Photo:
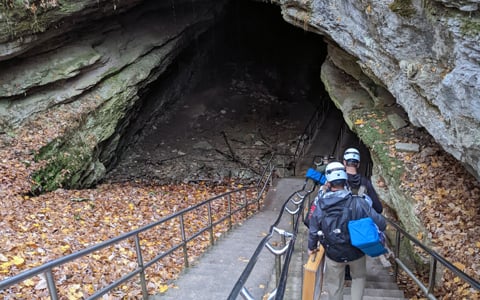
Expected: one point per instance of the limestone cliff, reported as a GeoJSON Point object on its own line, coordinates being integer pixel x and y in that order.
{"type": "Point", "coordinates": [90, 59]}
{"type": "Point", "coordinates": [424, 53]}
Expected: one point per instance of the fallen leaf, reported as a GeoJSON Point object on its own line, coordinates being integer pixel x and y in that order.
{"type": "Point", "coordinates": [18, 261]}
{"type": "Point", "coordinates": [359, 122]}
{"type": "Point", "coordinates": [163, 288]}
{"type": "Point", "coordinates": [42, 284]}
{"type": "Point", "coordinates": [459, 265]}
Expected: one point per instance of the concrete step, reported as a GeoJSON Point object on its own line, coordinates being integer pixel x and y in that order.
{"type": "Point", "coordinates": [379, 269]}
{"type": "Point", "coordinates": [215, 273]}
{"type": "Point", "coordinates": [372, 294]}
{"type": "Point", "coordinates": [380, 281]}
{"type": "Point", "coordinates": [388, 285]}
{"type": "Point", "coordinates": [396, 293]}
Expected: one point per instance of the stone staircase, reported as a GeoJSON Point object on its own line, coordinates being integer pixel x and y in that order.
{"type": "Point", "coordinates": [214, 274]}
{"type": "Point", "coordinates": [380, 282]}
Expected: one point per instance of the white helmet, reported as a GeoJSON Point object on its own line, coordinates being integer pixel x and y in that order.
{"type": "Point", "coordinates": [335, 171]}
{"type": "Point", "coordinates": [351, 154]}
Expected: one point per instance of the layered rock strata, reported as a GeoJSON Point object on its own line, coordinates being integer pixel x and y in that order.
{"type": "Point", "coordinates": [425, 53]}
{"type": "Point", "coordinates": [93, 59]}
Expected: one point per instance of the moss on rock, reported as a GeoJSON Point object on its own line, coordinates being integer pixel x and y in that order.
{"type": "Point", "coordinates": [403, 8]}
{"type": "Point", "coordinates": [59, 165]}
{"type": "Point", "coordinates": [374, 129]}
{"type": "Point", "coordinates": [22, 18]}
{"type": "Point", "coordinates": [470, 27]}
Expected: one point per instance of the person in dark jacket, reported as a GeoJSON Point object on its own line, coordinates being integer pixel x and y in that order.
{"type": "Point", "coordinates": [340, 255]}
{"type": "Point", "coordinates": [351, 161]}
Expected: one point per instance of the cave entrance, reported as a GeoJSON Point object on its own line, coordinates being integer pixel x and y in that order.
{"type": "Point", "coordinates": [242, 91]}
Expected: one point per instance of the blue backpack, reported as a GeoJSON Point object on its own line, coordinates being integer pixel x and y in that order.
{"type": "Point", "coordinates": [364, 235]}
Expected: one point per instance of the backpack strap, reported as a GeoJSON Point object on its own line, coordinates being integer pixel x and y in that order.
{"type": "Point", "coordinates": [353, 206]}
{"type": "Point", "coordinates": [346, 203]}
{"type": "Point", "coordinates": [361, 190]}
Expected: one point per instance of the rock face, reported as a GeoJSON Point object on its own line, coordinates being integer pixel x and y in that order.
{"type": "Point", "coordinates": [96, 58]}
{"type": "Point", "coordinates": [425, 53]}
{"type": "Point", "coordinates": [89, 58]}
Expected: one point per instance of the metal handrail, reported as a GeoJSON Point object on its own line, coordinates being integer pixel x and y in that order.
{"type": "Point", "coordinates": [434, 258]}
{"type": "Point", "coordinates": [310, 131]}
{"type": "Point", "coordinates": [308, 134]}
{"type": "Point", "coordinates": [280, 291]}
{"type": "Point", "coordinates": [287, 249]}
{"type": "Point", "coordinates": [47, 268]}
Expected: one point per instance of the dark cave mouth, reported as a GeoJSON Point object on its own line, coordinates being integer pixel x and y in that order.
{"type": "Point", "coordinates": [255, 89]}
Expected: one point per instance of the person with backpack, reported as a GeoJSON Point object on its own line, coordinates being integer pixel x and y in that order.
{"type": "Point", "coordinates": [359, 184]}
{"type": "Point", "coordinates": [329, 226]}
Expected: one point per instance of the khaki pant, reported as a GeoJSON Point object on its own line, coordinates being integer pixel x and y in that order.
{"type": "Point", "coordinates": [335, 278]}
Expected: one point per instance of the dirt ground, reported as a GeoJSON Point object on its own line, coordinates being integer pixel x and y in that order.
{"type": "Point", "coordinates": [225, 128]}
{"type": "Point", "coordinates": [258, 93]}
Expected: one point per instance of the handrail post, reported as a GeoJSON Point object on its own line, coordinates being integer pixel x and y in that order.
{"type": "Point", "coordinates": [272, 168]}
{"type": "Point", "coordinates": [396, 251]}
{"type": "Point", "coordinates": [293, 222]}
{"type": "Point", "coordinates": [51, 285]}
{"type": "Point", "coordinates": [259, 196]}
{"type": "Point", "coordinates": [246, 204]}
{"type": "Point", "coordinates": [278, 269]}
{"type": "Point", "coordinates": [210, 223]}
{"type": "Point", "coordinates": [143, 283]}
{"type": "Point", "coordinates": [432, 275]}
{"type": "Point", "coordinates": [229, 197]}
{"type": "Point", "coordinates": [278, 260]}
{"type": "Point", "coordinates": [184, 241]}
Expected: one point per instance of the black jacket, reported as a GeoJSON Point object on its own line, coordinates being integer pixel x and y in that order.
{"type": "Point", "coordinates": [360, 209]}
{"type": "Point", "coordinates": [356, 180]}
